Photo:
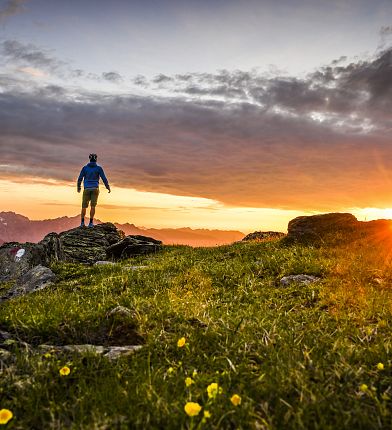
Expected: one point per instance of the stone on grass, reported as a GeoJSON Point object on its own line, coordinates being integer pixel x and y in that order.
{"type": "Point", "coordinates": [104, 263]}
{"type": "Point", "coordinates": [121, 351]}
{"type": "Point", "coordinates": [110, 352]}
{"type": "Point", "coordinates": [82, 349]}
{"type": "Point", "coordinates": [119, 310]}
{"type": "Point", "coordinates": [298, 279]}
{"type": "Point", "coordinates": [37, 278]}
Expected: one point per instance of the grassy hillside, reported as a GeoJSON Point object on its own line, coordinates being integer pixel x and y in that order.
{"type": "Point", "coordinates": [299, 357]}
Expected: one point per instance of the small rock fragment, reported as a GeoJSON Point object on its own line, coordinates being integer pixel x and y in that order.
{"type": "Point", "coordinates": [298, 279]}
{"type": "Point", "coordinates": [121, 351]}
{"type": "Point", "coordinates": [119, 310]}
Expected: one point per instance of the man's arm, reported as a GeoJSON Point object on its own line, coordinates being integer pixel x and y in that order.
{"type": "Point", "coordinates": [103, 177]}
{"type": "Point", "coordinates": [80, 178]}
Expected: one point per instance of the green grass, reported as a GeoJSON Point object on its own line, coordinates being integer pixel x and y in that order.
{"type": "Point", "coordinates": [296, 355]}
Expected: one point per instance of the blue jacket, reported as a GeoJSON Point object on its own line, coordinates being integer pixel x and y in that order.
{"type": "Point", "coordinates": [91, 173]}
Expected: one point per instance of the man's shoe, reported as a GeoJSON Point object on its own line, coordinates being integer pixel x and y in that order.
{"type": "Point", "coordinates": [91, 225]}
{"type": "Point", "coordinates": [82, 224]}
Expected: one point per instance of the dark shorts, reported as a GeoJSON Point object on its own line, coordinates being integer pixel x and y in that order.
{"type": "Point", "coordinates": [90, 195]}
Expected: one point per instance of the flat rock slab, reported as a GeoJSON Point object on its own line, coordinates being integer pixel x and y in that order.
{"type": "Point", "coordinates": [110, 352]}
{"type": "Point", "coordinates": [37, 278]}
{"type": "Point", "coordinates": [298, 279]}
{"type": "Point", "coordinates": [134, 267]}
{"type": "Point", "coordinates": [116, 352]}
{"type": "Point", "coordinates": [104, 263]}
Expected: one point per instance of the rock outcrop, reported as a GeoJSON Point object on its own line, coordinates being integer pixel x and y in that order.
{"type": "Point", "coordinates": [25, 265]}
{"type": "Point", "coordinates": [262, 236]}
{"type": "Point", "coordinates": [37, 278]}
{"type": "Point", "coordinates": [335, 228]}
{"type": "Point", "coordinates": [88, 245]}
{"type": "Point", "coordinates": [133, 245]}
{"type": "Point", "coordinates": [317, 228]}
{"type": "Point", "coordinates": [16, 259]}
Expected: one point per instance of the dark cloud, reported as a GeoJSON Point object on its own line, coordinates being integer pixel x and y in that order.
{"type": "Point", "coordinates": [321, 142]}
{"type": "Point", "coordinates": [141, 81]}
{"type": "Point", "coordinates": [112, 77]}
{"type": "Point", "coordinates": [10, 8]}
{"type": "Point", "coordinates": [339, 60]}
{"type": "Point", "coordinates": [161, 78]}
{"type": "Point", "coordinates": [29, 54]}
{"type": "Point", "coordinates": [22, 54]}
{"type": "Point", "coordinates": [386, 30]}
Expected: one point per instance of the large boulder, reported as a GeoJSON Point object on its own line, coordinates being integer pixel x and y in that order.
{"type": "Point", "coordinates": [133, 245]}
{"type": "Point", "coordinates": [37, 278]}
{"type": "Point", "coordinates": [318, 228]}
{"type": "Point", "coordinates": [16, 259]}
{"type": "Point", "coordinates": [88, 245]}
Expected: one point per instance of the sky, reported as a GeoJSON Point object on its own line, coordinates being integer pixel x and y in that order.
{"type": "Point", "coordinates": [215, 114]}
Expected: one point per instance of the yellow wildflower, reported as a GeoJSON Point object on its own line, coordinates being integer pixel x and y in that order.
{"type": "Point", "coordinates": [47, 355]}
{"type": "Point", "coordinates": [194, 374]}
{"type": "Point", "coordinates": [170, 370]}
{"type": "Point", "coordinates": [213, 390]}
{"type": "Point", "coordinates": [192, 409]}
{"type": "Point", "coordinates": [207, 414]}
{"type": "Point", "coordinates": [235, 399]}
{"type": "Point", "coordinates": [189, 381]}
{"type": "Point", "coordinates": [364, 388]}
{"type": "Point", "coordinates": [5, 416]}
{"type": "Point", "coordinates": [181, 342]}
{"type": "Point", "coordinates": [64, 371]}
{"type": "Point", "coordinates": [380, 366]}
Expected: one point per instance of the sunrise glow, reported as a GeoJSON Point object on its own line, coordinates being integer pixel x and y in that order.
{"type": "Point", "coordinates": [242, 128]}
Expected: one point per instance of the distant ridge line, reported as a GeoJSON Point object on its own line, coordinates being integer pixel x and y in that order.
{"type": "Point", "coordinates": [19, 228]}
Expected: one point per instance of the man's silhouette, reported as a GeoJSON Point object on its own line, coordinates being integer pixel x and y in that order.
{"type": "Point", "coordinates": [91, 173]}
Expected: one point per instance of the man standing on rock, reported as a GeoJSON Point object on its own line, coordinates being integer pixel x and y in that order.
{"type": "Point", "coordinates": [91, 173]}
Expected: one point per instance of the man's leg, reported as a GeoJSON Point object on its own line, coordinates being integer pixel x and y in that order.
{"type": "Point", "coordinates": [85, 202]}
{"type": "Point", "coordinates": [94, 200]}
{"type": "Point", "coordinates": [92, 213]}
{"type": "Point", "coordinates": [82, 215]}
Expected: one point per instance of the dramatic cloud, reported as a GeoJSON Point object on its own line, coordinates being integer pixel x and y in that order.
{"type": "Point", "coordinates": [11, 7]}
{"type": "Point", "coordinates": [112, 77]}
{"type": "Point", "coordinates": [386, 30]}
{"type": "Point", "coordinates": [36, 61]}
{"type": "Point", "coordinates": [29, 54]}
{"type": "Point", "coordinates": [322, 142]}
